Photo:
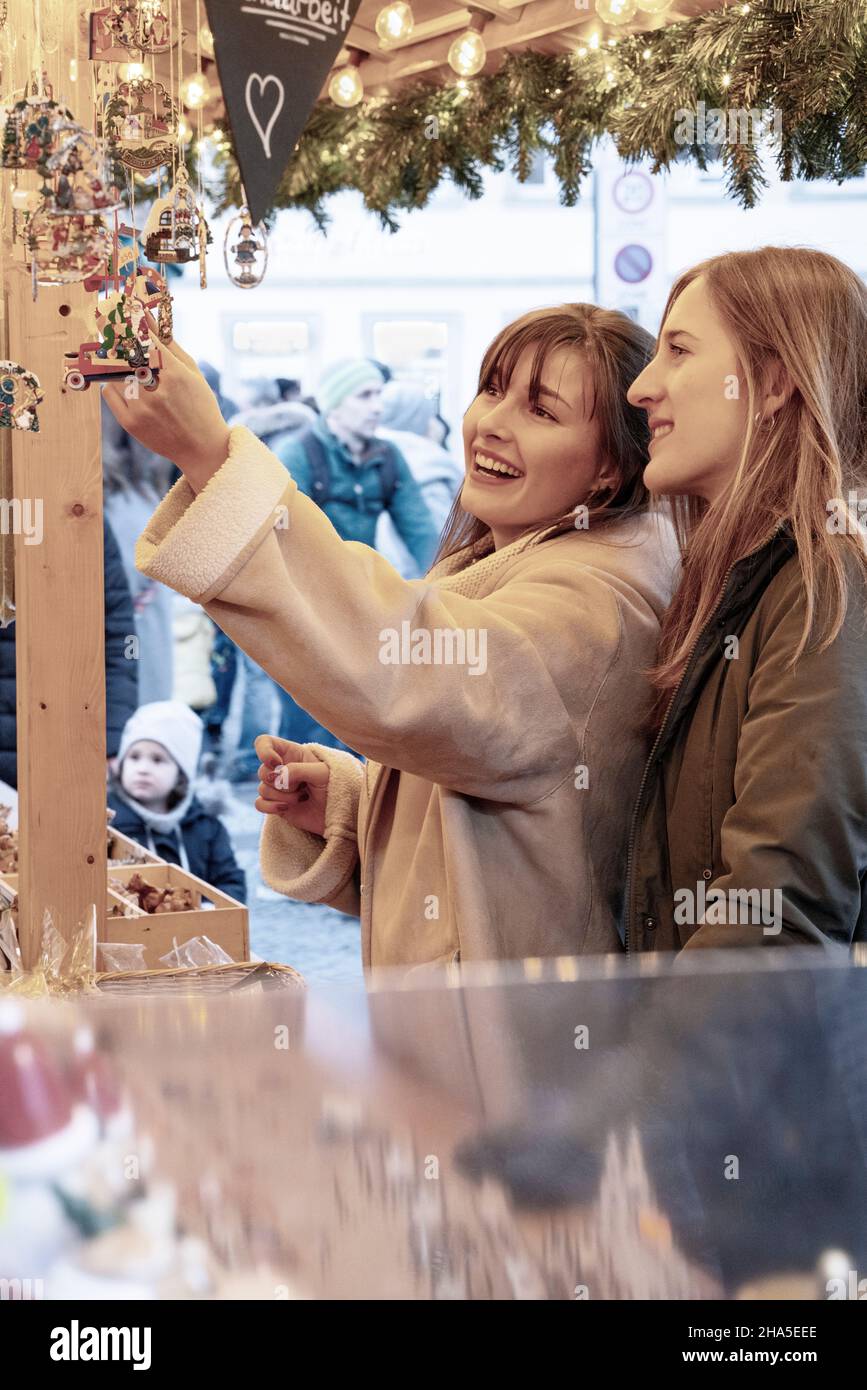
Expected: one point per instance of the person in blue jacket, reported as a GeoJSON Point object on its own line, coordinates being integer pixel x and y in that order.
{"type": "Point", "coordinates": [154, 801]}
{"type": "Point", "coordinates": [121, 671]}
{"type": "Point", "coordinates": [354, 476]}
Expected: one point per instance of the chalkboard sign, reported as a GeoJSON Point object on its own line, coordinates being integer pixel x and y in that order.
{"type": "Point", "coordinates": [273, 57]}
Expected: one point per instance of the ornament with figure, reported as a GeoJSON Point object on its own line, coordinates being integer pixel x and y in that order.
{"type": "Point", "coordinates": [122, 345]}
{"type": "Point", "coordinates": [139, 120]}
{"type": "Point", "coordinates": [126, 27]}
{"type": "Point", "coordinates": [245, 251]}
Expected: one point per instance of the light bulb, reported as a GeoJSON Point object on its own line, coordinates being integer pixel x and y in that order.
{"type": "Point", "coordinates": [346, 87]}
{"type": "Point", "coordinates": [206, 41]}
{"type": "Point", "coordinates": [616, 11]}
{"type": "Point", "coordinates": [654, 6]}
{"type": "Point", "coordinates": [467, 54]}
{"type": "Point", "coordinates": [195, 91]}
{"type": "Point", "coordinates": [394, 23]}
{"type": "Point", "coordinates": [130, 72]}
{"type": "Point", "coordinates": [73, 69]}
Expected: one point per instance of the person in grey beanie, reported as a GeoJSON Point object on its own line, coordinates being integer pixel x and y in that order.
{"type": "Point", "coordinates": [356, 477]}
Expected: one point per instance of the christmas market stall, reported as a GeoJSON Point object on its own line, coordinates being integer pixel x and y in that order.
{"type": "Point", "coordinates": [188, 1121]}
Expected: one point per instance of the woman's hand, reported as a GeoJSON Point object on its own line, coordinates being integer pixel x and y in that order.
{"type": "Point", "coordinates": [293, 783]}
{"type": "Point", "coordinates": [180, 419]}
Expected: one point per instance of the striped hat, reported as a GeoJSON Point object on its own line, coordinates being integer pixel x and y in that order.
{"type": "Point", "coordinates": [343, 379]}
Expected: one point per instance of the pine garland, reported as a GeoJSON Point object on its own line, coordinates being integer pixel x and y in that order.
{"type": "Point", "coordinates": [802, 61]}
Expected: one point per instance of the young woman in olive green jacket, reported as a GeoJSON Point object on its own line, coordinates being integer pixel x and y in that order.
{"type": "Point", "coordinates": [750, 825]}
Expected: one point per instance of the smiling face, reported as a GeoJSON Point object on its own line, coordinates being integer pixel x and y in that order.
{"type": "Point", "coordinates": [695, 396]}
{"type": "Point", "coordinates": [531, 458]}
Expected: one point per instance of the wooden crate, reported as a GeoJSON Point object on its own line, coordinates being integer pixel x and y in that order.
{"type": "Point", "coordinates": [120, 846]}
{"type": "Point", "coordinates": [227, 924]}
{"type": "Point", "coordinates": [9, 896]}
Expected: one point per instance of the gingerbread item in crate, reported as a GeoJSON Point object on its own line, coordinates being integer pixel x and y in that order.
{"type": "Point", "coordinates": [8, 843]}
{"type": "Point", "coordinates": [149, 898]}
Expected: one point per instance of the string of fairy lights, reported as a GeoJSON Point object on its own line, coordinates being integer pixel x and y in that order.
{"type": "Point", "coordinates": [467, 52]}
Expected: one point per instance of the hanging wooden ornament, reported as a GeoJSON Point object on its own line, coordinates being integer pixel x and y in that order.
{"type": "Point", "coordinates": [122, 344]}
{"type": "Point", "coordinates": [172, 232]}
{"type": "Point", "coordinates": [66, 247]}
{"type": "Point", "coordinates": [139, 121]}
{"type": "Point", "coordinates": [245, 251]}
{"type": "Point", "coordinates": [31, 134]}
{"type": "Point", "coordinates": [126, 27]}
{"type": "Point", "coordinates": [20, 394]}
{"type": "Point", "coordinates": [77, 172]}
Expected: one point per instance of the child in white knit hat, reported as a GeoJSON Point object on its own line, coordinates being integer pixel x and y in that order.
{"type": "Point", "coordinates": [154, 800]}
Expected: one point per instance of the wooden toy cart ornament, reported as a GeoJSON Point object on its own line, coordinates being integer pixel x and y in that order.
{"type": "Point", "coordinates": [124, 346]}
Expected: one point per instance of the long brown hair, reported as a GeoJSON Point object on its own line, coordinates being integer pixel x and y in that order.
{"type": "Point", "coordinates": [615, 350]}
{"type": "Point", "coordinates": [806, 311]}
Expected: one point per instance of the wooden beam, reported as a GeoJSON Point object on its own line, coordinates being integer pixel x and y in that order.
{"type": "Point", "coordinates": [536, 20]}
{"type": "Point", "coordinates": [499, 11]}
{"type": "Point", "coordinates": [59, 625]}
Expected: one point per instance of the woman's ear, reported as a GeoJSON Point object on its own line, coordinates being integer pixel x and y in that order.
{"type": "Point", "coordinates": [779, 388]}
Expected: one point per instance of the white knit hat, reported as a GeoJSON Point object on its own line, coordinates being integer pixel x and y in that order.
{"type": "Point", "coordinates": [173, 725]}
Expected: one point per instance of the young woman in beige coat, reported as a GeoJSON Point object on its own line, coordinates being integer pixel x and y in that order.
{"type": "Point", "coordinates": [498, 702]}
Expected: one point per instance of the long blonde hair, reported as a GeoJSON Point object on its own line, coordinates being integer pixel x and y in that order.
{"type": "Point", "coordinates": [616, 350]}
{"type": "Point", "coordinates": [806, 311]}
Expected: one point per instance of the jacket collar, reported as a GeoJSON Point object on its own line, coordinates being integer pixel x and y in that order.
{"type": "Point", "coordinates": [374, 452]}
{"type": "Point", "coordinates": [747, 581]}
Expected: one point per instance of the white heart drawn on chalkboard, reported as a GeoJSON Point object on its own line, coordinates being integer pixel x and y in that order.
{"type": "Point", "coordinates": [265, 135]}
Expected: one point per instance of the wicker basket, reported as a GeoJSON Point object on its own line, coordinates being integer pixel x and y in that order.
{"type": "Point", "coordinates": [202, 979]}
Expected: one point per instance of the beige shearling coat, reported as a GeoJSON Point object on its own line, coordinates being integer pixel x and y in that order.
{"type": "Point", "coordinates": [490, 819]}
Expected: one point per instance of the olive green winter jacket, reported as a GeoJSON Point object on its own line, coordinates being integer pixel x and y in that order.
{"type": "Point", "coordinates": [750, 825]}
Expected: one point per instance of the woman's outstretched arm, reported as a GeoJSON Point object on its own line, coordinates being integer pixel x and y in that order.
{"type": "Point", "coordinates": [491, 713]}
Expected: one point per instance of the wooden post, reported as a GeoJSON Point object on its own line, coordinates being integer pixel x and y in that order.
{"type": "Point", "coordinates": [59, 627]}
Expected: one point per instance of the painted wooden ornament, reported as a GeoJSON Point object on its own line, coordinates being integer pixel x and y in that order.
{"type": "Point", "coordinates": [139, 121]}
{"type": "Point", "coordinates": [172, 233]}
{"type": "Point", "coordinates": [245, 251]}
{"type": "Point", "coordinates": [127, 27]}
{"type": "Point", "coordinates": [65, 248]}
{"type": "Point", "coordinates": [122, 345]}
{"type": "Point", "coordinates": [20, 394]}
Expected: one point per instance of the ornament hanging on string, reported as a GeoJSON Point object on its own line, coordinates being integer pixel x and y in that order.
{"type": "Point", "coordinates": [139, 121]}
{"type": "Point", "coordinates": [127, 27]}
{"type": "Point", "coordinates": [122, 345]}
{"type": "Point", "coordinates": [77, 172]}
{"type": "Point", "coordinates": [31, 135]}
{"type": "Point", "coordinates": [66, 248]}
{"type": "Point", "coordinates": [173, 231]}
{"type": "Point", "coordinates": [20, 394]}
{"type": "Point", "coordinates": [245, 251]}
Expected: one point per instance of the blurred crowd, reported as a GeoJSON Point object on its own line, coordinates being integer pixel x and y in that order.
{"type": "Point", "coordinates": [371, 451]}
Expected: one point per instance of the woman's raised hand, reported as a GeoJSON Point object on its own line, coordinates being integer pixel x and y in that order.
{"type": "Point", "coordinates": [180, 419]}
{"type": "Point", "coordinates": [293, 783]}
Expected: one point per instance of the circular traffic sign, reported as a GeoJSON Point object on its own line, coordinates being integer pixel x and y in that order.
{"type": "Point", "coordinates": [633, 263]}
